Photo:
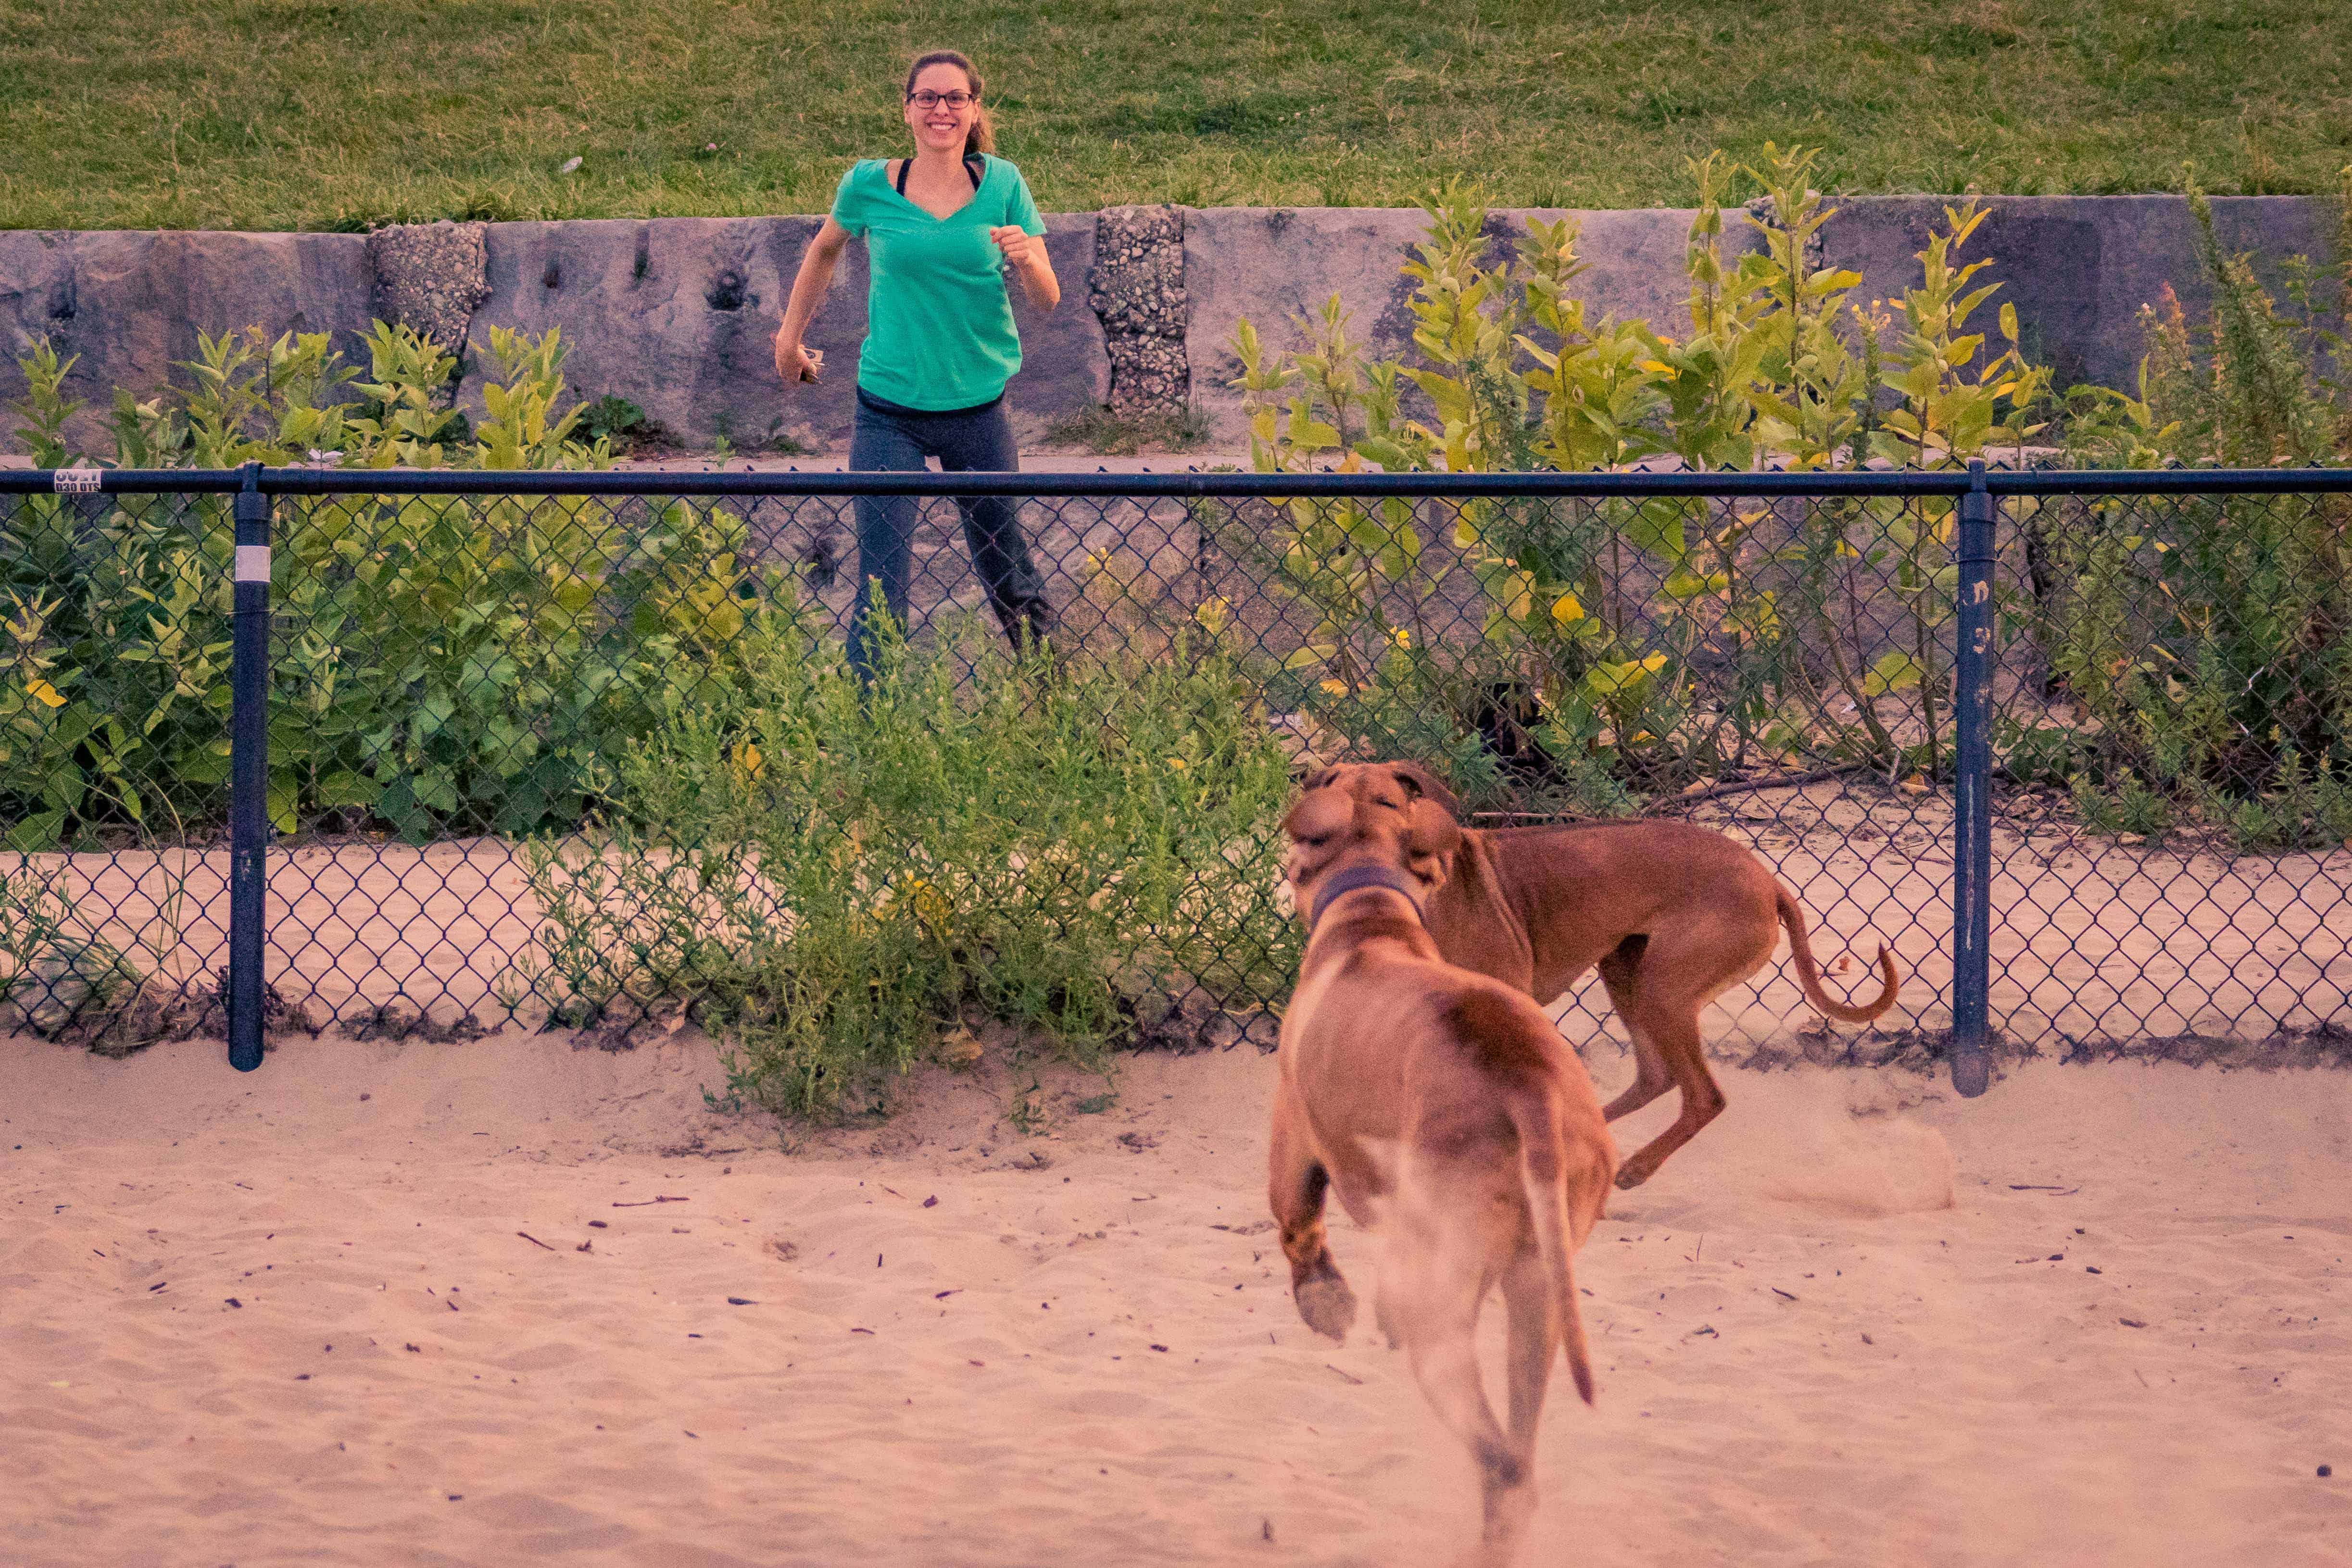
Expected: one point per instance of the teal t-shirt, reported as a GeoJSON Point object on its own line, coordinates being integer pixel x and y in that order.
{"type": "Point", "coordinates": [939, 321]}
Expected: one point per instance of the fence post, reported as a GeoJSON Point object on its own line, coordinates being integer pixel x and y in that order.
{"type": "Point", "coordinates": [1972, 826]}
{"type": "Point", "coordinates": [249, 773]}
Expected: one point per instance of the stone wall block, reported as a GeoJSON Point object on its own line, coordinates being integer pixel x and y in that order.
{"type": "Point", "coordinates": [127, 305]}
{"type": "Point", "coordinates": [679, 315]}
{"type": "Point", "coordinates": [2078, 268]}
{"type": "Point", "coordinates": [1270, 264]}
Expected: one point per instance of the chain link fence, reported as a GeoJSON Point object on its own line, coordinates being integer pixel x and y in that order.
{"type": "Point", "coordinates": [584, 749]}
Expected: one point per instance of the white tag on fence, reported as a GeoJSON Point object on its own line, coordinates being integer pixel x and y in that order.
{"type": "Point", "coordinates": [253, 563]}
{"type": "Point", "coordinates": [77, 481]}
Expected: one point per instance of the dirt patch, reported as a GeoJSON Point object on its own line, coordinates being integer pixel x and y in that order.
{"type": "Point", "coordinates": [2093, 940]}
{"type": "Point", "coordinates": [159, 1010]}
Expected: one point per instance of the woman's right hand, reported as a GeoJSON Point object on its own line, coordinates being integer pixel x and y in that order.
{"type": "Point", "coordinates": [796, 362]}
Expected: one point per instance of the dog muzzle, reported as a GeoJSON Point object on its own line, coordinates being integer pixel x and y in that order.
{"type": "Point", "coordinates": [1356, 878]}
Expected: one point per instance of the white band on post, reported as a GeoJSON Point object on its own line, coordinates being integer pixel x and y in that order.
{"type": "Point", "coordinates": [253, 563]}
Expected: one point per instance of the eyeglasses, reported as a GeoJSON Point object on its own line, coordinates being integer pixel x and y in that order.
{"type": "Point", "coordinates": [927, 98]}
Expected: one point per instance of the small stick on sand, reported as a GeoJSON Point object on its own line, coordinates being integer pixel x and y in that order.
{"type": "Point", "coordinates": [534, 1240]}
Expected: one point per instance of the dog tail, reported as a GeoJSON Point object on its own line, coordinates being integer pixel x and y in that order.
{"type": "Point", "coordinates": [1536, 1117]}
{"type": "Point", "coordinates": [1793, 917]}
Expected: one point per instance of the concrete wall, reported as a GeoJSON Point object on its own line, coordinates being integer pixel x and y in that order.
{"type": "Point", "coordinates": [2078, 268]}
{"type": "Point", "coordinates": [676, 314]}
{"type": "Point", "coordinates": [129, 303]}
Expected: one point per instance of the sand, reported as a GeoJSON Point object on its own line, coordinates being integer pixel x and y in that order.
{"type": "Point", "coordinates": [1857, 1321]}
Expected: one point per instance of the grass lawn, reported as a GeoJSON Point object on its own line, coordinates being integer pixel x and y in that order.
{"type": "Point", "coordinates": [342, 113]}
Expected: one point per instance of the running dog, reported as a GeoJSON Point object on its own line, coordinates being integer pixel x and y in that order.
{"type": "Point", "coordinates": [1673, 915]}
{"type": "Point", "coordinates": [1447, 1114]}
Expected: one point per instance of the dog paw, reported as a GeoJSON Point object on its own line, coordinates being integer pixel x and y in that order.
{"type": "Point", "coordinates": [1327, 1305]}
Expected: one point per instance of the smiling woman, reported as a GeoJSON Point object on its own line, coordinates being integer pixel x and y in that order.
{"type": "Point", "coordinates": [943, 230]}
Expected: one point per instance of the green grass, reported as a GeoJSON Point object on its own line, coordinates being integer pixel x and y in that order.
{"type": "Point", "coordinates": [341, 113]}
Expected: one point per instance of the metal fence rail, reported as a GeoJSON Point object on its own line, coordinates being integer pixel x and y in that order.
{"type": "Point", "coordinates": [397, 750]}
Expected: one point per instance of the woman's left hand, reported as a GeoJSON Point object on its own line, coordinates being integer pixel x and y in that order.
{"type": "Point", "coordinates": [1022, 249]}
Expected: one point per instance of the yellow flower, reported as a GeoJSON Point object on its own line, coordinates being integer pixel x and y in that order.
{"type": "Point", "coordinates": [1177, 763]}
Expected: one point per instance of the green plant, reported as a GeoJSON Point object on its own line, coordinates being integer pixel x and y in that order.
{"type": "Point", "coordinates": [844, 872]}
{"type": "Point", "coordinates": [2208, 640]}
{"type": "Point", "coordinates": [446, 665]}
{"type": "Point", "coordinates": [1599, 616]}
{"type": "Point", "coordinates": [402, 421]}
{"type": "Point", "coordinates": [54, 968]}
{"type": "Point", "coordinates": [527, 425]}
{"type": "Point", "coordinates": [45, 408]}
{"type": "Point", "coordinates": [615, 419]}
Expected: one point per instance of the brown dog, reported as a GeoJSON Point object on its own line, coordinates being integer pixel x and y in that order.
{"type": "Point", "coordinates": [1673, 915]}
{"type": "Point", "coordinates": [1445, 1109]}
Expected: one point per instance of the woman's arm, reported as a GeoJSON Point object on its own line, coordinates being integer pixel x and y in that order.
{"type": "Point", "coordinates": [1026, 253]}
{"type": "Point", "coordinates": [808, 285]}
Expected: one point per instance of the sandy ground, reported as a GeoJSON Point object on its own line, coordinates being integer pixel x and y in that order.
{"type": "Point", "coordinates": [414, 1303]}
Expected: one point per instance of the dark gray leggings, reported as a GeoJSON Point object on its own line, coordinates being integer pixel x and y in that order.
{"type": "Point", "coordinates": [888, 438]}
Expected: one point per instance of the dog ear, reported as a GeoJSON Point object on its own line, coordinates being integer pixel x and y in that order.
{"type": "Point", "coordinates": [1433, 832]}
{"type": "Point", "coordinates": [1420, 781]}
{"type": "Point", "coordinates": [1320, 778]}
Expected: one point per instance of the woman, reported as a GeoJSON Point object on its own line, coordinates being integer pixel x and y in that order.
{"type": "Point", "coordinates": [942, 229]}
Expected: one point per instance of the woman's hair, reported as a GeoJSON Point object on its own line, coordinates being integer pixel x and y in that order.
{"type": "Point", "coordinates": [982, 138]}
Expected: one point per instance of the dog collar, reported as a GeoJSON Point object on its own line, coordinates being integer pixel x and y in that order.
{"type": "Point", "coordinates": [1356, 878]}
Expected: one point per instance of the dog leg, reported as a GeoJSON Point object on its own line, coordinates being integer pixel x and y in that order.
{"type": "Point", "coordinates": [1534, 1346]}
{"type": "Point", "coordinates": [1432, 1281]}
{"type": "Point", "coordinates": [1446, 1364]}
{"type": "Point", "coordinates": [1620, 974]}
{"type": "Point", "coordinates": [1677, 1039]}
{"type": "Point", "coordinates": [1384, 1318]}
{"type": "Point", "coordinates": [1297, 1182]}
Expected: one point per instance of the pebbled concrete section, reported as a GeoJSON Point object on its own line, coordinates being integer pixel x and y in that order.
{"type": "Point", "coordinates": [129, 303]}
{"type": "Point", "coordinates": [429, 276]}
{"type": "Point", "coordinates": [678, 315]}
{"type": "Point", "coordinates": [1269, 264]}
{"type": "Point", "coordinates": [1135, 289]}
{"type": "Point", "coordinates": [2078, 268]}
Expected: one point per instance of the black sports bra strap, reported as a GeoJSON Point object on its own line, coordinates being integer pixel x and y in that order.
{"type": "Point", "coordinates": [974, 165]}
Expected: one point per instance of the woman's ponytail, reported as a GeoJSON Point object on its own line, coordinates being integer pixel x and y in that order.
{"type": "Point", "coordinates": [982, 137]}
